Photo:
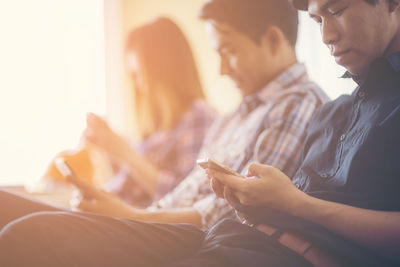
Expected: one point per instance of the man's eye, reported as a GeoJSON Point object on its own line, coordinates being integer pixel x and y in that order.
{"type": "Point", "coordinates": [230, 52]}
{"type": "Point", "coordinates": [337, 12]}
{"type": "Point", "coordinates": [317, 20]}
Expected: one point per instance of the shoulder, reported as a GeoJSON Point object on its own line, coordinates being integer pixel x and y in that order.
{"type": "Point", "coordinates": [200, 113]}
{"type": "Point", "coordinates": [202, 110]}
{"type": "Point", "coordinates": [301, 100]}
{"type": "Point", "coordinates": [332, 108]}
{"type": "Point", "coordinates": [305, 91]}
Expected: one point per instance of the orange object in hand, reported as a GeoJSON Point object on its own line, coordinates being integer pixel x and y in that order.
{"type": "Point", "coordinates": [80, 162]}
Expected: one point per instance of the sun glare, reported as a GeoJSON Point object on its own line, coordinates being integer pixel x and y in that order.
{"type": "Point", "coordinates": [51, 74]}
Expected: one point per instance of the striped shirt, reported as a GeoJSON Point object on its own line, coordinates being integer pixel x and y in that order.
{"type": "Point", "coordinates": [268, 127]}
{"type": "Point", "coordinates": [174, 152]}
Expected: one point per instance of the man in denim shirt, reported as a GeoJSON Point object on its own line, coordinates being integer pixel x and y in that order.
{"type": "Point", "coordinates": [342, 208]}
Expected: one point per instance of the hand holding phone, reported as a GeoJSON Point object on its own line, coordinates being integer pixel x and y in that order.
{"type": "Point", "coordinates": [216, 185]}
{"type": "Point", "coordinates": [209, 163]}
{"type": "Point", "coordinates": [86, 189]}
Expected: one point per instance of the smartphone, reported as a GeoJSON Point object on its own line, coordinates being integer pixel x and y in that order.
{"type": "Point", "coordinates": [85, 188]}
{"type": "Point", "coordinates": [209, 163]}
{"type": "Point", "coordinates": [63, 167]}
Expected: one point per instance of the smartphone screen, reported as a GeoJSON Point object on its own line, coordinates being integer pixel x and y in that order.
{"type": "Point", "coordinates": [63, 167]}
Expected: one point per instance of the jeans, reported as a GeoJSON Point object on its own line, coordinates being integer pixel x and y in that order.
{"type": "Point", "coordinates": [34, 234]}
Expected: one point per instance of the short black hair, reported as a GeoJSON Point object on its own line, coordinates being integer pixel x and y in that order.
{"type": "Point", "coordinates": [373, 2]}
{"type": "Point", "coordinates": [303, 4]}
{"type": "Point", "coordinates": [253, 17]}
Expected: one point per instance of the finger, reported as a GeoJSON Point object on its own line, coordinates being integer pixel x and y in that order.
{"type": "Point", "coordinates": [96, 120]}
{"type": "Point", "coordinates": [248, 173]}
{"type": "Point", "coordinates": [88, 191]}
{"type": "Point", "coordinates": [93, 121]}
{"type": "Point", "coordinates": [75, 200]}
{"type": "Point", "coordinates": [233, 181]}
{"type": "Point", "coordinates": [217, 187]}
{"type": "Point", "coordinates": [245, 219]}
{"type": "Point", "coordinates": [88, 133]}
{"type": "Point", "coordinates": [87, 205]}
{"type": "Point", "coordinates": [242, 217]}
{"type": "Point", "coordinates": [208, 174]}
{"type": "Point", "coordinates": [90, 119]}
{"type": "Point", "coordinates": [257, 169]}
{"type": "Point", "coordinates": [76, 194]}
{"type": "Point", "coordinates": [92, 138]}
{"type": "Point", "coordinates": [232, 199]}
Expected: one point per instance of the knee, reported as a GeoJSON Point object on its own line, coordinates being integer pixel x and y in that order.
{"type": "Point", "coordinates": [30, 227]}
{"type": "Point", "coordinates": [19, 238]}
{"type": "Point", "coordinates": [24, 227]}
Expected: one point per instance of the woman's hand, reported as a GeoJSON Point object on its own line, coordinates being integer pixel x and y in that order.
{"type": "Point", "coordinates": [99, 133]}
{"type": "Point", "coordinates": [266, 186]}
{"type": "Point", "coordinates": [90, 199]}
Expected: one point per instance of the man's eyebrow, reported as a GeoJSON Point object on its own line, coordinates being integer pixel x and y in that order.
{"type": "Point", "coordinates": [218, 27]}
{"type": "Point", "coordinates": [325, 6]}
{"type": "Point", "coordinates": [328, 4]}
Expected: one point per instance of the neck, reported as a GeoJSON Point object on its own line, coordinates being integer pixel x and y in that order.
{"type": "Point", "coordinates": [286, 60]}
{"type": "Point", "coordinates": [394, 45]}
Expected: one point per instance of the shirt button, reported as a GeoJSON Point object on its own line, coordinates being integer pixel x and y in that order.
{"type": "Point", "coordinates": [342, 137]}
{"type": "Point", "coordinates": [297, 186]}
{"type": "Point", "coordinates": [361, 94]}
{"type": "Point", "coordinates": [324, 175]}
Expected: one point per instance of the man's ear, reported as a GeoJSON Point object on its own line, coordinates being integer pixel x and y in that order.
{"type": "Point", "coordinates": [272, 39]}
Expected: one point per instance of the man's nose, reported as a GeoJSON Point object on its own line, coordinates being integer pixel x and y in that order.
{"type": "Point", "coordinates": [330, 33]}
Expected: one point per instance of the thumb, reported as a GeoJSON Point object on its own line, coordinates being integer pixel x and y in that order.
{"type": "Point", "coordinates": [257, 169]}
{"type": "Point", "coordinates": [217, 187]}
{"type": "Point", "coordinates": [88, 190]}
{"type": "Point", "coordinates": [87, 205]}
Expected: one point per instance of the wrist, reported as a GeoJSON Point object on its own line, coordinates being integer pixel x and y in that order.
{"type": "Point", "coordinates": [296, 202]}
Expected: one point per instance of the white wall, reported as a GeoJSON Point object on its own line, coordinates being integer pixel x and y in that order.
{"type": "Point", "coordinates": [311, 51]}
{"type": "Point", "coordinates": [51, 74]}
{"type": "Point", "coordinates": [52, 71]}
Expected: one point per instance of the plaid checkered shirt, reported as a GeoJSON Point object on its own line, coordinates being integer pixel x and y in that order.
{"type": "Point", "coordinates": [268, 127]}
{"type": "Point", "coordinates": [174, 152]}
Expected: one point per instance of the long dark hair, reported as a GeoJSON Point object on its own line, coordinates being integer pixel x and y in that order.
{"type": "Point", "coordinates": [169, 74]}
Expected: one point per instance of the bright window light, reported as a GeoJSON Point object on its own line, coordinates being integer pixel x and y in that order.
{"type": "Point", "coordinates": [51, 74]}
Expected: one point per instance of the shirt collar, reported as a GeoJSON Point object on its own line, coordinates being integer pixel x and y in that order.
{"type": "Point", "coordinates": [281, 82]}
{"type": "Point", "coordinates": [394, 60]}
{"type": "Point", "coordinates": [378, 65]}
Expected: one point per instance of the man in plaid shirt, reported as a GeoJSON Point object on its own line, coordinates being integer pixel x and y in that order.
{"type": "Point", "coordinates": [257, 50]}
{"type": "Point", "coordinates": [268, 127]}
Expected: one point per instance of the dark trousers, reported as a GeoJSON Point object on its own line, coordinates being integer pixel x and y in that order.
{"type": "Point", "coordinates": [41, 235]}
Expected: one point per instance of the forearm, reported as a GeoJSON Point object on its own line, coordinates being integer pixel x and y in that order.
{"type": "Point", "coordinates": [146, 172]}
{"type": "Point", "coordinates": [188, 215]}
{"type": "Point", "coordinates": [377, 230]}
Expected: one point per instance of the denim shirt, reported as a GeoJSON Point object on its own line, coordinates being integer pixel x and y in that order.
{"type": "Point", "coordinates": [351, 155]}
{"type": "Point", "coordinates": [352, 150]}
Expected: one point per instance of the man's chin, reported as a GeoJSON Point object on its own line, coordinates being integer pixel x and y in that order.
{"type": "Point", "coordinates": [245, 91]}
{"type": "Point", "coordinates": [240, 86]}
{"type": "Point", "coordinates": [355, 70]}
{"type": "Point", "coordinates": [356, 67]}
{"type": "Point", "coordinates": [243, 88]}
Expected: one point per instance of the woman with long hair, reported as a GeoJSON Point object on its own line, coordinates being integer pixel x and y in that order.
{"type": "Point", "coordinates": [171, 115]}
